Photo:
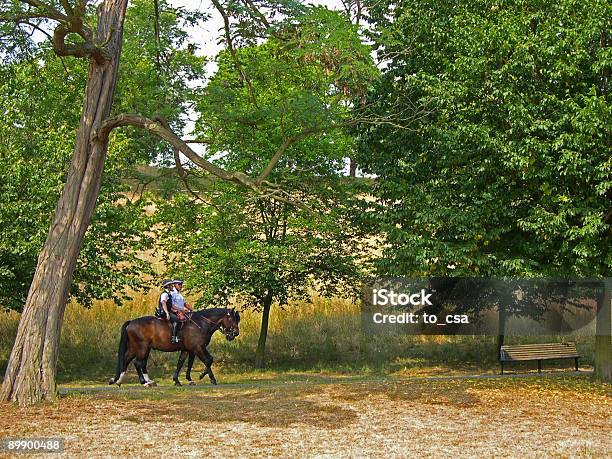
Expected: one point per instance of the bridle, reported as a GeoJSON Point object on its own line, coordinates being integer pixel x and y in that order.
{"type": "Point", "coordinates": [218, 323]}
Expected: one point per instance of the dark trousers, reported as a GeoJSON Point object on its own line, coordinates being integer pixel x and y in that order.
{"type": "Point", "coordinates": [175, 324]}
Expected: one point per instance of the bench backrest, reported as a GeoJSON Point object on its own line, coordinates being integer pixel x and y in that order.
{"type": "Point", "coordinates": [538, 351]}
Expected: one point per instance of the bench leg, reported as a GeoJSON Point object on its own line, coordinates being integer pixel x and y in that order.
{"type": "Point", "coordinates": [539, 366]}
{"type": "Point", "coordinates": [502, 367]}
{"type": "Point", "coordinates": [576, 362]}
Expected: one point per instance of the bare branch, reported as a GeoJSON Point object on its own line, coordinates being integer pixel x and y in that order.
{"type": "Point", "coordinates": [281, 151]}
{"type": "Point", "coordinates": [85, 49]}
{"type": "Point", "coordinates": [232, 50]}
{"type": "Point", "coordinates": [157, 128]}
{"type": "Point", "coordinates": [204, 141]}
{"type": "Point", "coordinates": [40, 29]}
{"type": "Point", "coordinates": [256, 13]}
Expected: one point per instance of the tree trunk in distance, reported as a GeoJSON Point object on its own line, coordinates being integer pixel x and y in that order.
{"type": "Point", "coordinates": [352, 168]}
{"type": "Point", "coordinates": [31, 371]}
{"type": "Point", "coordinates": [603, 338]}
{"type": "Point", "coordinates": [260, 353]}
{"type": "Point", "coordinates": [501, 327]}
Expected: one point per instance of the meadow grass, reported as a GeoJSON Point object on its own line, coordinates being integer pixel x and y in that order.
{"type": "Point", "coordinates": [319, 337]}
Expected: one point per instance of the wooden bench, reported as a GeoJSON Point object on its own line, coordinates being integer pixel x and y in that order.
{"type": "Point", "coordinates": [539, 352]}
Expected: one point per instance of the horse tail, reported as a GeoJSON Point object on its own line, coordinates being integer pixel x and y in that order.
{"type": "Point", "coordinates": [121, 353]}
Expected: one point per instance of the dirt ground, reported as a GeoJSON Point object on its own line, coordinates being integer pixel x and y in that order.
{"type": "Point", "coordinates": [530, 417]}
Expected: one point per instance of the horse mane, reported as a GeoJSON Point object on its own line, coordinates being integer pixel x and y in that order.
{"type": "Point", "coordinates": [216, 313]}
{"type": "Point", "coordinates": [208, 312]}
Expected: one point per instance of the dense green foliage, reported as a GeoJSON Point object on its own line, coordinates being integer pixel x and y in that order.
{"type": "Point", "coordinates": [40, 102]}
{"type": "Point", "coordinates": [255, 251]}
{"type": "Point", "coordinates": [508, 169]}
{"type": "Point", "coordinates": [295, 87]}
{"type": "Point", "coordinates": [292, 91]}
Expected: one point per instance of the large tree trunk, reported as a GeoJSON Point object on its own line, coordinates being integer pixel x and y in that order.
{"type": "Point", "coordinates": [30, 375]}
{"type": "Point", "coordinates": [603, 338]}
{"type": "Point", "coordinates": [260, 353]}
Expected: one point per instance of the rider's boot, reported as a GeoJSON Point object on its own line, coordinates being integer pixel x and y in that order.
{"type": "Point", "coordinates": [175, 338]}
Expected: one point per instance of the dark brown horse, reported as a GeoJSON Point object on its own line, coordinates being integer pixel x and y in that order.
{"type": "Point", "coordinates": [140, 335]}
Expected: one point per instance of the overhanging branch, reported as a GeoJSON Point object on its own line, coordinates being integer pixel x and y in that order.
{"type": "Point", "coordinates": [159, 128]}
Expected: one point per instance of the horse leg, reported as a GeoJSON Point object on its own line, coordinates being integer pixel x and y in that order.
{"type": "Point", "coordinates": [129, 356]}
{"type": "Point", "coordinates": [145, 373]}
{"type": "Point", "coordinates": [205, 357]}
{"type": "Point", "coordinates": [179, 365]}
{"type": "Point", "coordinates": [140, 364]}
{"type": "Point", "coordinates": [189, 367]}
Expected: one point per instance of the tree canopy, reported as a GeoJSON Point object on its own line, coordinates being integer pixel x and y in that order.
{"type": "Point", "coordinates": [509, 170]}
{"type": "Point", "coordinates": [36, 141]}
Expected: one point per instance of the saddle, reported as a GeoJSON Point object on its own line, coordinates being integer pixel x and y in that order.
{"type": "Point", "coordinates": [180, 314]}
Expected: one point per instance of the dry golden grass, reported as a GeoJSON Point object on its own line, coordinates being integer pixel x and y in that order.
{"type": "Point", "coordinates": [321, 337]}
{"type": "Point", "coordinates": [317, 400]}
{"type": "Point", "coordinates": [560, 417]}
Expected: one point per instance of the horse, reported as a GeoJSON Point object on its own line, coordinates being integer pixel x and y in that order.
{"type": "Point", "coordinates": [140, 335]}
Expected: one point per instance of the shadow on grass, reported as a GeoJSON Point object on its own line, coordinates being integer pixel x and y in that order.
{"type": "Point", "coordinates": [265, 408]}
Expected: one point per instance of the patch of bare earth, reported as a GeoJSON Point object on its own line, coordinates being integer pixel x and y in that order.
{"type": "Point", "coordinates": [459, 418]}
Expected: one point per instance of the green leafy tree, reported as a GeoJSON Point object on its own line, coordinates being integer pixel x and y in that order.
{"type": "Point", "coordinates": [75, 30]}
{"type": "Point", "coordinates": [36, 145]}
{"type": "Point", "coordinates": [257, 252]}
{"type": "Point", "coordinates": [277, 111]}
{"type": "Point", "coordinates": [34, 150]}
{"type": "Point", "coordinates": [508, 172]}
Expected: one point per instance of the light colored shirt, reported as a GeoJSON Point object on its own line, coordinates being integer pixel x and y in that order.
{"type": "Point", "coordinates": [178, 301]}
{"type": "Point", "coordinates": [165, 296]}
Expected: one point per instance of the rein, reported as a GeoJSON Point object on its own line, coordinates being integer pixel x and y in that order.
{"type": "Point", "coordinates": [212, 322]}
{"type": "Point", "coordinates": [193, 321]}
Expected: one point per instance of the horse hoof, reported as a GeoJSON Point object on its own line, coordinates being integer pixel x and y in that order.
{"type": "Point", "coordinates": [111, 381]}
{"type": "Point", "coordinates": [214, 382]}
{"type": "Point", "coordinates": [177, 383]}
{"type": "Point", "coordinates": [150, 384]}
{"type": "Point", "coordinates": [192, 383]}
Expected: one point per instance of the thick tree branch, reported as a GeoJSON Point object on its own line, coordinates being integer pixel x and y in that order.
{"type": "Point", "coordinates": [157, 128]}
{"type": "Point", "coordinates": [47, 10]}
{"type": "Point", "coordinates": [85, 49]}
{"type": "Point", "coordinates": [67, 7]}
{"type": "Point", "coordinates": [71, 22]}
{"type": "Point", "coordinates": [281, 151]}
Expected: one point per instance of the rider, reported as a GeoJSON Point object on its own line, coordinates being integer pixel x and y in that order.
{"type": "Point", "coordinates": [164, 309]}
{"type": "Point", "coordinates": [179, 306]}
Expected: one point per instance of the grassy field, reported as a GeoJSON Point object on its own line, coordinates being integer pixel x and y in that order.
{"type": "Point", "coordinates": [529, 417]}
{"type": "Point", "coordinates": [318, 338]}
{"type": "Point", "coordinates": [328, 391]}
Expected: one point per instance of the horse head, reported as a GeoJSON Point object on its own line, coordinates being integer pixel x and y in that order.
{"type": "Point", "coordinates": [230, 324]}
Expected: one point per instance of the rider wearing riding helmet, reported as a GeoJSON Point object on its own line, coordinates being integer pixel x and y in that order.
{"type": "Point", "coordinates": [165, 308]}
{"type": "Point", "coordinates": [179, 306]}
{"type": "Point", "coordinates": [178, 300]}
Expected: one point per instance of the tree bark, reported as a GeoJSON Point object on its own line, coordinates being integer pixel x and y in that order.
{"type": "Point", "coordinates": [603, 338]}
{"type": "Point", "coordinates": [31, 372]}
{"type": "Point", "coordinates": [501, 328]}
{"type": "Point", "coordinates": [260, 353]}
{"type": "Point", "coordinates": [352, 168]}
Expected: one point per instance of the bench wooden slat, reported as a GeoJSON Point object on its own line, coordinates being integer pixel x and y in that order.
{"type": "Point", "coordinates": [539, 352]}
